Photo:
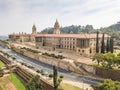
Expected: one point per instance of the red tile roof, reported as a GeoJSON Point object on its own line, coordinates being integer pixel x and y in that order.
{"type": "Point", "coordinates": [21, 34]}
{"type": "Point", "coordinates": [62, 35]}
{"type": "Point", "coordinates": [71, 35]}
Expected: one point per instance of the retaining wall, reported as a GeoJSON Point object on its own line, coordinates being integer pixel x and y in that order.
{"type": "Point", "coordinates": [101, 72]}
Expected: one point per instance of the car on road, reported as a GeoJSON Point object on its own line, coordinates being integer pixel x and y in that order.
{"type": "Point", "coordinates": [44, 72]}
{"type": "Point", "coordinates": [30, 65]}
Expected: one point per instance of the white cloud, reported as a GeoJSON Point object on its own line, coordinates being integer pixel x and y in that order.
{"type": "Point", "coordinates": [20, 15]}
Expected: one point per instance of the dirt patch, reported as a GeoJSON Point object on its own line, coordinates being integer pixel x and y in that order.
{"type": "Point", "coordinates": [7, 84]}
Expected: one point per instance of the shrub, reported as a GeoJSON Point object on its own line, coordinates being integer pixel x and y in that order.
{"type": "Point", "coordinates": [13, 58]}
{"type": "Point", "coordinates": [50, 75]}
{"type": "Point", "coordinates": [109, 84]}
{"type": "Point", "coordinates": [38, 71]}
{"type": "Point", "coordinates": [61, 76]}
{"type": "Point", "coordinates": [52, 55]}
{"type": "Point", "coordinates": [118, 54]}
{"type": "Point", "coordinates": [1, 73]}
{"type": "Point", "coordinates": [23, 63]}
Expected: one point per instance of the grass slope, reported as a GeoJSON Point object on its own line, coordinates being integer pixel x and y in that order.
{"type": "Point", "coordinates": [69, 87]}
{"type": "Point", "coordinates": [15, 80]}
{"type": "Point", "coordinates": [1, 64]}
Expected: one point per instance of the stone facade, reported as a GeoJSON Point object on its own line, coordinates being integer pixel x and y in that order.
{"type": "Point", "coordinates": [81, 43]}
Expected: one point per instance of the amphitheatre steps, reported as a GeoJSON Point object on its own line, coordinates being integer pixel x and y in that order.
{"type": "Point", "coordinates": [23, 74]}
{"type": "Point", "coordinates": [4, 60]}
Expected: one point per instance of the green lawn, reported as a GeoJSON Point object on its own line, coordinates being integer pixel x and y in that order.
{"type": "Point", "coordinates": [15, 80]}
{"type": "Point", "coordinates": [1, 87]}
{"type": "Point", "coordinates": [1, 64]}
{"type": "Point", "coordinates": [69, 87]}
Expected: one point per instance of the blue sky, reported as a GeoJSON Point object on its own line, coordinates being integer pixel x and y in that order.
{"type": "Point", "coordinates": [19, 15]}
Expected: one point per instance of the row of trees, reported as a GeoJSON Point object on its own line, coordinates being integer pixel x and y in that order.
{"type": "Point", "coordinates": [104, 48]}
{"type": "Point", "coordinates": [108, 60]}
{"type": "Point", "coordinates": [53, 55]}
{"type": "Point", "coordinates": [105, 57]}
{"type": "Point", "coordinates": [31, 50]}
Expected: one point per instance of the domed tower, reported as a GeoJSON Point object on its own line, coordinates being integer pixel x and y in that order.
{"type": "Point", "coordinates": [34, 29]}
{"type": "Point", "coordinates": [56, 28]}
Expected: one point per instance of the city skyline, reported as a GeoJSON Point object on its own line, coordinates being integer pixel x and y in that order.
{"type": "Point", "coordinates": [19, 15]}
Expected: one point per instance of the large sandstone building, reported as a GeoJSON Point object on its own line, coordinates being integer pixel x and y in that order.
{"type": "Point", "coordinates": [84, 44]}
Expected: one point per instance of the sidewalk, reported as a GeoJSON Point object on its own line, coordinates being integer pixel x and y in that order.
{"type": "Point", "coordinates": [82, 85]}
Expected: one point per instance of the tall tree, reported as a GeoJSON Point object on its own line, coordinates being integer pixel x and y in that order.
{"type": "Point", "coordinates": [111, 45]}
{"type": "Point", "coordinates": [34, 84]}
{"type": "Point", "coordinates": [55, 75]}
{"type": "Point", "coordinates": [108, 45]}
{"type": "Point", "coordinates": [97, 42]}
{"type": "Point", "coordinates": [103, 45]}
{"type": "Point", "coordinates": [98, 57]}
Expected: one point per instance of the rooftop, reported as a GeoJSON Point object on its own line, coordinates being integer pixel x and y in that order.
{"type": "Point", "coordinates": [62, 35]}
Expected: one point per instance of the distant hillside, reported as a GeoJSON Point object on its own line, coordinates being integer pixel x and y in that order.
{"type": "Point", "coordinates": [83, 29]}
{"type": "Point", "coordinates": [3, 37]}
{"type": "Point", "coordinates": [113, 28]}
{"type": "Point", "coordinates": [71, 29]}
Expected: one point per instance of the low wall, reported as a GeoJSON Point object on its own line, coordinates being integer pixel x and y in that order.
{"type": "Point", "coordinates": [106, 73]}
{"type": "Point", "coordinates": [87, 68]}
{"type": "Point", "coordinates": [101, 72]}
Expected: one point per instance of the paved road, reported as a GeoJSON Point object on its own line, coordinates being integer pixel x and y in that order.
{"type": "Point", "coordinates": [42, 66]}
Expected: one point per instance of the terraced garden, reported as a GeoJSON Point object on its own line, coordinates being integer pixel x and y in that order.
{"type": "Point", "coordinates": [16, 81]}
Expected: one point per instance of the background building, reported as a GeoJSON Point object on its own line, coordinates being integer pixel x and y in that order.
{"type": "Point", "coordinates": [84, 44]}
